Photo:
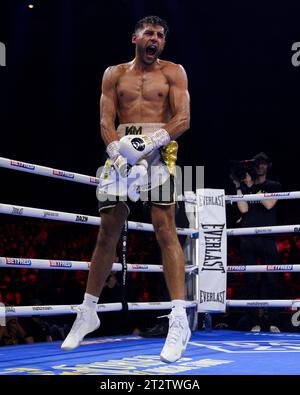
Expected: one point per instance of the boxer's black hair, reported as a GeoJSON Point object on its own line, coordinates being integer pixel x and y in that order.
{"type": "Point", "coordinates": [152, 20]}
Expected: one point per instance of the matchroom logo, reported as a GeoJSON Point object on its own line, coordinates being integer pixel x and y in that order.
{"type": "Point", "coordinates": [2, 315]}
{"type": "Point", "coordinates": [2, 54]}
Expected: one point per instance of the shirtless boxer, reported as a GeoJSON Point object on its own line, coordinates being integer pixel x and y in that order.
{"type": "Point", "coordinates": [150, 98]}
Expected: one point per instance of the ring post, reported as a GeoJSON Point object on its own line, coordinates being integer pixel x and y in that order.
{"type": "Point", "coordinates": [212, 252]}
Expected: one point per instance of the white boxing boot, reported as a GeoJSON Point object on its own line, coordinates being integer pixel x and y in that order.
{"type": "Point", "coordinates": [87, 321]}
{"type": "Point", "coordinates": [178, 336]}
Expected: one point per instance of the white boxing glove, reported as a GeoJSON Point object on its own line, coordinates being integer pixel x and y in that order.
{"type": "Point", "coordinates": [118, 161]}
{"type": "Point", "coordinates": [136, 177]}
{"type": "Point", "coordinates": [136, 147]}
{"type": "Point", "coordinates": [113, 149]}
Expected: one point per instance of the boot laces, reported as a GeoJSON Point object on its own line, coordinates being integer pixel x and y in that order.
{"type": "Point", "coordinates": [176, 326]}
{"type": "Point", "coordinates": [81, 315]}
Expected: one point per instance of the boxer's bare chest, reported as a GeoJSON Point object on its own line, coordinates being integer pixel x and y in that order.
{"type": "Point", "coordinates": [136, 86]}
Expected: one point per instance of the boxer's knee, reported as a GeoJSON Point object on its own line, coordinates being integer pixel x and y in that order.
{"type": "Point", "coordinates": [112, 222]}
{"type": "Point", "coordinates": [164, 226]}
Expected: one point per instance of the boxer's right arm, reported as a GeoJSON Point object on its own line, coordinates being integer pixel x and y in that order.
{"type": "Point", "coordinates": [108, 111]}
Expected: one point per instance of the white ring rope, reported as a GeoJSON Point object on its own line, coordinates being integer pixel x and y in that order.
{"type": "Point", "coordinates": [264, 230]}
{"type": "Point", "coordinates": [84, 179]}
{"type": "Point", "coordinates": [54, 264]}
{"type": "Point", "coordinates": [47, 171]}
{"type": "Point", "coordinates": [25, 311]}
{"type": "Point", "coordinates": [79, 218]}
{"type": "Point", "coordinates": [264, 303]}
{"type": "Point", "coordinates": [91, 220]}
{"type": "Point", "coordinates": [263, 268]}
{"type": "Point", "coordinates": [264, 196]}
{"type": "Point", "coordinates": [256, 197]}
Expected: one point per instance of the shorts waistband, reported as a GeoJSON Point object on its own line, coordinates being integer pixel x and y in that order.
{"type": "Point", "coordinates": [138, 128]}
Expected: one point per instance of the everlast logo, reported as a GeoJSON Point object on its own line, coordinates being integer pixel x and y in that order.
{"type": "Point", "coordinates": [212, 297]}
{"type": "Point", "coordinates": [211, 200]}
{"type": "Point", "coordinates": [138, 144]}
{"type": "Point", "coordinates": [81, 218]}
{"type": "Point", "coordinates": [213, 240]}
{"type": "Point", "coordinates": [133, 130]}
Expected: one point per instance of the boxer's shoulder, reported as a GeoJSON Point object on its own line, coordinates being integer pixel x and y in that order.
{"type": "Point", "coordinates": [171, 70]}
{"type": "Point", "coordinates": [113, 73]}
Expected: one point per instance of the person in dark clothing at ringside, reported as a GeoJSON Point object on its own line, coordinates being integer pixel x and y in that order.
{"type": "Point", "coordinates": [259, 248]}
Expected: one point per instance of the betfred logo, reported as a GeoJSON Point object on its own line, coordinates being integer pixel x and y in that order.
{"type": "Point", "coordinates": [18, 261]}
{"type": "Point", "coordinates": [239, 268]}
{"type": "Point", "coordinates": [94, 180]}
{"type": "Point", "coordinates": [16, 163]}
{"type": "Point", "coordinates": [64, 174]}
{"type": "Point", "coordinates": [284, 268]}
{"type": "Point", "coordinates": [60, 264]}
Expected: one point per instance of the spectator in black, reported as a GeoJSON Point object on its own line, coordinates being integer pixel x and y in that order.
{"type": "Point", "coordinates": [259, 248]}
{"type": "Point", "coordinates": [13, 333]}
{"type": "Point", "coordinates": [36, 328]}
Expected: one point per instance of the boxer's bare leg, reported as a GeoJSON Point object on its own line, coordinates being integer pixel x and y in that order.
{"type": "Point", "coordinates": [112, 222]}
{"type": "Point", "coordinates": [163, 219]}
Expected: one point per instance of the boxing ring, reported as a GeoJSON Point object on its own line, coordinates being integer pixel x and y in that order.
{"type": "Point", "coordinates": [209, 352]}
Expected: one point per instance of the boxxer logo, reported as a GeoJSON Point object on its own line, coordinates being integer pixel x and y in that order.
{"type": "Point", "coordinates": [138, 144]}
{"type": "Point", "coordinates": [2, 54]}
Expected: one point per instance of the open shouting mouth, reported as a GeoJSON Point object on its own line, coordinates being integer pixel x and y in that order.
{"type": "Point", "coordinates": [151, 50]}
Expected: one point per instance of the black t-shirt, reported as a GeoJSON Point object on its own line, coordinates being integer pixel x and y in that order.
{"type": "Point", "coordinates": [257, 214]}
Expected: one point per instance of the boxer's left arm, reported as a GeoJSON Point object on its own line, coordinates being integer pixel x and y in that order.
{"type": "Point", "coordinates": [179, 99]}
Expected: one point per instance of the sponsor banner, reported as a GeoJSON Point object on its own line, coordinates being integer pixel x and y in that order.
{"type": "Point", "coordinates": [60, 264]}
{"type": "Point", "coordinates": [264, 230]}
{"type": "Point", "coordinates": [212, 250]}
{"type": "Point", "coordinates": [42, 308]}
{"type": "Point", "coordinates": [10, 309]}
{"type": "Point", "coordinates": [82, 218]}
{"type": "Point", "coordinates": [17, 210]}
{"type": "Point", "coordinates": [47, 213]}
{"type": "Point", "coordinates": [62, 173]}
{"type": "Point", "coordinates": [137, 266]}
{"type": "Point", "coordinates": [239, 268]}
{"type": "Point", "coordinates": [259, 304]}
{"type": "Point", "coordinates": [94, 180]}
{"type": "Point", "coordinates": [16, 163]}
{"type": "Point", "coordinates": [276, 194]}
{"type": "Point", "coordinates": [18, 261]}
{"type": "Point", "coordinates": [284, 268]}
